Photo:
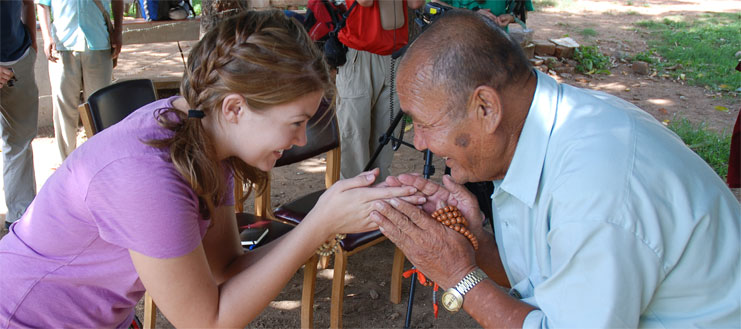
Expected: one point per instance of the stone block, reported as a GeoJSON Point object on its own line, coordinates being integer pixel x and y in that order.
{"type": "Point", "coordinates": [564, 52]}
{"type": "Point", "coordinates": [640, 67]}
{"type": "Point", "coordinates": [544, 47]}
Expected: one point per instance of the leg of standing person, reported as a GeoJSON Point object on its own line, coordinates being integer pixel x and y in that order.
{"type": "Point", "coordinates": [65, 78]}
{"type": "Point", "coordinates": [354, 112]}
{"type": "Point", "coordinates": [20, 108]}
{"type": "Point", "coordinates": [97, 70]}
{"type": "Point", "coordinates": [381, 113]}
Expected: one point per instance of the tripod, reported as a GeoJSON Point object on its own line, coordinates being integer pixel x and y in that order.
{"type": "Point", "coordinates": [427, 171]}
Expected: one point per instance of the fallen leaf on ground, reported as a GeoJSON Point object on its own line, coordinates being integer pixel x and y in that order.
{"type": "Point", "coordinates": [721, 108]}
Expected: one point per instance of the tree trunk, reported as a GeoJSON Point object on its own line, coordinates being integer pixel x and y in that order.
{"type": "Point", "coordinates": [214, 11]}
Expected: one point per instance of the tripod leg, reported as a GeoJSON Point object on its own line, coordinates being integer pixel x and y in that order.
{"type": "Point", "coordinates": [410, 303]}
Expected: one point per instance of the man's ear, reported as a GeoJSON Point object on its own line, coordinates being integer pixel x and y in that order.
{"type": "Point", "coordinates": [487, 105]}
{"type": "Point", "coordinates": [232, 106]}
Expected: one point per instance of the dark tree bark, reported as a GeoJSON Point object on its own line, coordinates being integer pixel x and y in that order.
{"type": "Point", "coordinates": [214, 11]}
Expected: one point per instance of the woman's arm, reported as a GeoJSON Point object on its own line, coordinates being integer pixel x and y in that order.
{"type": "Point", "coordinates": [190, 294]}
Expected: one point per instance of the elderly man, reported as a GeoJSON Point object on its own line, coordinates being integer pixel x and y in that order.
{"type": "Point", "coordinates": [602, 217]}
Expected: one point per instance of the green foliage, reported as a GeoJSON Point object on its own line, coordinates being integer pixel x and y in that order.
{"type": "Point", "coordinates": [588, 32]}
{"type": "Point", "coordinates": [711, 146]}
{"type": "Point", "coordinates": [196, 6]}
{"type": "Point", "coordinates": [590, 60]}
{"type": "Point", "coordinates": [703, 49]}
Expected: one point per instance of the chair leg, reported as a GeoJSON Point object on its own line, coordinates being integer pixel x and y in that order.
{"type": "Point", "coordinates": [150, 312]}
{"type": "Point", "coordinates": [396, 271]}
{"type": "Point", "coordinates": [307, 293]}
{"type": "Point", "coordinates": [338, 289]}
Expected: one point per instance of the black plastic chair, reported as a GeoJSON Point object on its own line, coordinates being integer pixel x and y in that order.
{"type": "Point", "coordinates": [109, 105]}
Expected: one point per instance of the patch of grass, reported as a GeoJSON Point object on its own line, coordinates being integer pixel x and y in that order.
{"type": "Point", "coordinates": [540, 4]}
{"type": "Point", "coordinates": [588, 32]}
{"type": "Point", "coordinates": [557, 4]}
{"type": "Point", "coordinates": [711, 146]}
{"type": "Point", "coordinates": [631, 13]}
{"type": "Point", "coordinates": [590, 60]}
{"type": "Point", "coordinates": [703, 47]}
{"type": "Point", "coordinates": [647, 56]}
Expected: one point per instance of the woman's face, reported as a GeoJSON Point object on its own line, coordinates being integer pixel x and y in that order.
{"type": "Point", "coordinates": [262, 136]}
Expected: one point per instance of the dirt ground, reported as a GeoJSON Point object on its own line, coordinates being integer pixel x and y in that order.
{"type": "Point", "coordinates": [366, 303]}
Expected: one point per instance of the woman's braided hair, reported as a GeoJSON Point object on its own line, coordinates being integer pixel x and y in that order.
{"type": "Point", "coordinates": [264, 56]}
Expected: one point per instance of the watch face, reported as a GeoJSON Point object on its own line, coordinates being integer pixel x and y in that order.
{"type": "Point", "coordinates": [451, 302]}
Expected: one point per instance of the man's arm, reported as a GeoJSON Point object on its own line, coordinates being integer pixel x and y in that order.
{"type": "Point", "coordinates": [365, 3]}
{"type": "Point", "coordinates": [45, 21]}
{"type": "Point", "coordinates": [117, 37]}
{"type": "Point", "coordinates": [29, 20]}
{"type": "Point", "coordinates": [446, 257]}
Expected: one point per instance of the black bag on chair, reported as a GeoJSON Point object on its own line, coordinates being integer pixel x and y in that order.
{"type": "Point", "coordinates": [334, 51]}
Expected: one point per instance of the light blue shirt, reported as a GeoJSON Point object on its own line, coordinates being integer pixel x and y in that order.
{"type": "Point", "coordinates": [605, 219]}
{"type": "Point", "coordinates": [78, 25]}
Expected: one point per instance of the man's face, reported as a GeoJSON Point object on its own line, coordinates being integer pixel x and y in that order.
{"type": "Point", "coordinates": [450, 133]}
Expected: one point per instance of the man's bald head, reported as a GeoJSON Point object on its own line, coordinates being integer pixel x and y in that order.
{"type": "Point", "coordinates": [463, 50]}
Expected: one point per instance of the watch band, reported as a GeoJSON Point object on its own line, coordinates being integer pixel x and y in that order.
{"type": "Point", "coordinates": [470, 280]}
{"type": "Point", "coordinates": [452, 298]}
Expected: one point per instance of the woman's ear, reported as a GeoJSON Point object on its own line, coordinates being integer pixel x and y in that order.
{"type": "Point", "coordinates": [488, 107]}
{"type": "Point", "coordinates": [232, 106]}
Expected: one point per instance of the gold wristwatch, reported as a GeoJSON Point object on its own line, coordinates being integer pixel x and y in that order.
{"type": "Point", "coordinates": [452, 298]}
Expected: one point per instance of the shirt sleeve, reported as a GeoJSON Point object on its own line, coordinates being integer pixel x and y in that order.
{"type": "Point", "coordinates": [603, 277]}
{"type": "Point", "coordinates": [43, 2]}
{"type": "Point", "coordinates": [143, 204]}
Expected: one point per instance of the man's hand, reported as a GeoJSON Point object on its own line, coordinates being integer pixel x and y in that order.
{"type": "Point", "coordinates": [5, 75]}
{"type": "Point", "coordinates": [444, 255]}
{"type": "Point", "coordinates": [116, 43]}
{"type": "Point", "coordinates": [50, 50]}
{"type": "Point", "coordinates": [505, 19]}
{"type": "Point", "coordinates": [450, 193]}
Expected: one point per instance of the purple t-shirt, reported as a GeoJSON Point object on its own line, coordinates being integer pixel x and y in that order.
{"type": "Point", "coordinates": [66, 261]}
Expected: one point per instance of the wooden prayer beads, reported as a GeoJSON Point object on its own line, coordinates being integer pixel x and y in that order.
{"type": "Point", "coordinates": [330, 247]}
{"type": "Point", "coordinates": [451, 217]}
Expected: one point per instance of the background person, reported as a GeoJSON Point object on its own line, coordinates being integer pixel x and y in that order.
{"type": "Point", "coordinates": [148, 203]}
{"type": "Point", "coordinates": [603, 218]}
{"type": "Point", "coordinates": [19, 104]}
{"type": "Point", "coordinates": [373, 31]}
{"type": "Point", "coordinates": [79, 50]}
{"type": "Point", "coordinates": [499, 11]}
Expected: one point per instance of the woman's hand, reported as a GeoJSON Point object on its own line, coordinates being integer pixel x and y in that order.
{"type": "Point", "coordinates": [346, 206]}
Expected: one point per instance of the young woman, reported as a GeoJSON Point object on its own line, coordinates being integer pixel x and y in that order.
{"type": "Point", "coordinates": [148, 204]}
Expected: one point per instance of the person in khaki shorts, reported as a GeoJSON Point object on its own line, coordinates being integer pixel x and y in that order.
{"type": "Point", "coordinates": [19, 104]}
{"type": "Point", "coordinates": [79, 51]}
{"type": "Point", "coordinates": [373, 31]}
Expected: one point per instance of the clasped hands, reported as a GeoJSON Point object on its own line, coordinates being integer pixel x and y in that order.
{"type": "Point", "coordinates": [443, 255]}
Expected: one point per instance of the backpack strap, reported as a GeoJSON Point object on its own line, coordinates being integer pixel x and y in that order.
{"type": "Point", "coordinates": [341, 23]}
{"type": "Point", "coordinates": [333, 13]}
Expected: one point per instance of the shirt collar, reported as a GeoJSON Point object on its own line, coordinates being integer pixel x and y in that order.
{"type": "Point", "coordinates": [523, 176]}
